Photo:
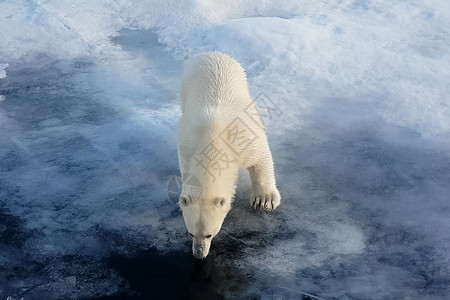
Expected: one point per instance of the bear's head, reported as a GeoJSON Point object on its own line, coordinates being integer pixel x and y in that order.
{"type": "Point", "coordinates": [203, 219]}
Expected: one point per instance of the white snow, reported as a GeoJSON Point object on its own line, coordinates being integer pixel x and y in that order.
{"type": "Point", "coordinates": [354, 95]}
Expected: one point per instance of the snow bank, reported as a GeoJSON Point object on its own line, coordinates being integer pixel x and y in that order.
{"type": "Point", "coordinates": [392, 56]}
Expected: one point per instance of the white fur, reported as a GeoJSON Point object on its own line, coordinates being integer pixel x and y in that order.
{"type": "Point", "coordinates": [216, 104]}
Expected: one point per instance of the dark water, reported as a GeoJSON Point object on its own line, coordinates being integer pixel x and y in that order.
{"type": "Point", "coordinates": [176, 275]}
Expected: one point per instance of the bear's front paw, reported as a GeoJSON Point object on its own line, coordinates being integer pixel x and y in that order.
{"type": "Point", "coordinates": [265, 200]}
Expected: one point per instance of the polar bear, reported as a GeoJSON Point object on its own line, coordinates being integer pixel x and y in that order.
{"type": "Point", "coordinates": [219, 132]}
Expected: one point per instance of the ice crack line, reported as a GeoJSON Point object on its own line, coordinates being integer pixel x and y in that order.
{"type": "Point", "coordinates": [299, 292]}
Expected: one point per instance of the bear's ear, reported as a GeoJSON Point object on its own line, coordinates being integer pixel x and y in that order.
{"type": "Point", "coordinates": [220, 202]}
{"type": "Point", "coordinates": [184, 201]}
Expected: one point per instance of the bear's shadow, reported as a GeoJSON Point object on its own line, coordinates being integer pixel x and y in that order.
{"type": "Point", "coordinates": [173, 275]}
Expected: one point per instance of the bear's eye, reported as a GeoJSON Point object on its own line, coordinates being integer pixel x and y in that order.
{"type": "Point", "coordinates": [208, 236]}
{"type": "Point", "coordinates": [190, 234]}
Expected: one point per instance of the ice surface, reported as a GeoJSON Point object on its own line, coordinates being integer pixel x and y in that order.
{"type": "Point", "coordinates": [354, 95]}
{"type": "Point", "coordinates": [2, 70]}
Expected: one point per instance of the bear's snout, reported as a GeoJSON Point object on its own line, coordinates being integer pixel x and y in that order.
{"type": "Point", "coordinates": [200, 251]}
{"type": "Point", "coordinates": [199, 254]}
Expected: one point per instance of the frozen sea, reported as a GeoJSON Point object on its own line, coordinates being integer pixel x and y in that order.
{"type": "Point", "coordinates": [355, 98]}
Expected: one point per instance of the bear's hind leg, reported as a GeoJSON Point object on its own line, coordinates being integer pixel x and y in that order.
{"type": "Point", "coordinates": [265, 195]}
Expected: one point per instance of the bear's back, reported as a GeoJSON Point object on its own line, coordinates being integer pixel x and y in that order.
{"type": "Point", "coordinates": [213, 82]}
